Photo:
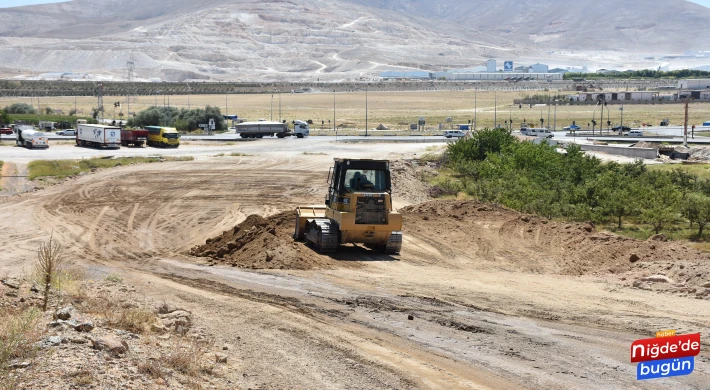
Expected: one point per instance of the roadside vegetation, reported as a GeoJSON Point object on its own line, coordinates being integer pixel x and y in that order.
{"type": "Point", "coordinates": [60, 169]}
{"type": "Point", "coordinates": [641, 74]}
{"type": "Point", "coordinates": [181, 119]}
{"type": "Point", "coordinates": [632, 199]}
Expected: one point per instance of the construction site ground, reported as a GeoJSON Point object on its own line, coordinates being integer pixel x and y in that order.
{"type": "Point", "coordinates": [480, 298]}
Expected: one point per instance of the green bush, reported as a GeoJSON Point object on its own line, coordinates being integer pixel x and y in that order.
{"type": "Point", "coordinates": [533, 178]}
{"type": "Point", "coordinates": [20, 108]}
{"type": "Point", "coordinates": [183, 119]}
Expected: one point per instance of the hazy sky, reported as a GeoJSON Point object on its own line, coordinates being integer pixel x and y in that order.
{"type": "Point", "coordinates": [15, 3]}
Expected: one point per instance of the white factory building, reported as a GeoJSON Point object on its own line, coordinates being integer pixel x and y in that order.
{"type": "Point", "coordinates": [694, 84]}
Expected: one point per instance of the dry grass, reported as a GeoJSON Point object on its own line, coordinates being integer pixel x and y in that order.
{"type": "Point", "coordinates": [187, 357]}
{"type": "Point", "coordinates": [50, 264]}
{"type": "Point", "coordinates": [20, 329]}
{"type": "Point", "coordinates": [82, 378]}
{"type": "Point", "coordinates": [121, 316]}
{"type": "Point", "coordinates": [153, 369]}
{"type": "Point", "coordinates": [393, 108]}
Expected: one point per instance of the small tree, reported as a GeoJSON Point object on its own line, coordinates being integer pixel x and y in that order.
{"type": "Point", "coordinates": [660, 205]}
{"type": "Point", "coordinates": [696, 207]}
{"type": "Point", "coordinates": [4, 118]}
{"type": "Point", "coordinates": [20, 108]}
{"type": "Point", "coordinates": [48, 110]}
{"type": "Point", "coordinates": [72, 112]}
{"type": "Point", "coordinates": [50, 263]}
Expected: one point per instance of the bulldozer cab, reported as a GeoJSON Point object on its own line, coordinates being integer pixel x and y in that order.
{"type": "Point", "coordinates": [357, 176]}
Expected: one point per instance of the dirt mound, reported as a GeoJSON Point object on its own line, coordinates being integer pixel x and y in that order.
{"type": "Point", "coordinates": [263, 243]}
{"type": "Point", "coordinates": [408, 180]}
{"type": "Point", "coordinates": [503, 238]}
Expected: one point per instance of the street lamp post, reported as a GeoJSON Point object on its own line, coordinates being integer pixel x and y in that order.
{"type": "Point", "coordinates": [272, 107]}
{"type": "Point", "coordinates": [554, 126]}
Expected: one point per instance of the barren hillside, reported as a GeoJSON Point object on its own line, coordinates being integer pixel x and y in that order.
{"type": "Point", "coordinates": [177, 40]}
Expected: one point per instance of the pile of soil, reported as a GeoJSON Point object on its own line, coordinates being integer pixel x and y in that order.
{"type": "Point", "coordinates": [504, 238]}
{"type": "Point", "coordinates": [263, 243]}
{"type": "Point", "coordinates": [409, 180]}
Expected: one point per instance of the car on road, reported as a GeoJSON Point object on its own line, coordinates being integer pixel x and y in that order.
{"type": "Point", "coordinates": [70, 132]}
{"type": "Point", "coordinates": [572, 128]}
{"type": "Point", "coordinates": [454, 134]}
{"type": "Point", "coordinates": [6, 130]}
{"type": "Point", "coordinates": [634, 133]}
{"type": "Point", "coordinates": [621, 128]}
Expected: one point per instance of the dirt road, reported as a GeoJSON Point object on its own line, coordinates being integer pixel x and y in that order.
{"type": "Point", "coordinates": [490, 309]}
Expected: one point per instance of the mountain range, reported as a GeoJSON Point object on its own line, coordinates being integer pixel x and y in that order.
{"type": "Point", "coordinates": [291, 40]}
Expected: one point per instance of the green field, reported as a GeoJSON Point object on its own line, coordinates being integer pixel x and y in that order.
{"type": "Point", "coordinates": [64, 168]}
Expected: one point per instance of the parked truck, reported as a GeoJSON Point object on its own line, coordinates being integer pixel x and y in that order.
{"type": "Point", "coordinates": [98, 136]}
{"type": "Point", "coordinates": [163, 137]}
{"type": "Point", "coordinates": [134, 137]}
{"type": "Point", "coordinates": [30, 138]}
{"type": "Point", "coordinates": [263, 129]}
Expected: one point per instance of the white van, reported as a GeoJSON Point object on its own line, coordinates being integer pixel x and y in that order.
{"type": "Point", "coordinates": [634, 133]}
{"type": "Point", "coordinates": [454, 134]}
{"type": "Point", "coordinates": [540, 132]}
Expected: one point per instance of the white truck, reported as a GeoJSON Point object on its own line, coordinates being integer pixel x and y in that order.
{"type": "Point", "coordinates": [98, 136]}
{"type": "Point", "coordinates": [263, 129]}
{"type": "Point", "coordinates": [30, 138]}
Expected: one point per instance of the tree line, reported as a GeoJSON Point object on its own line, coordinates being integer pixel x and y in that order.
{"type": "Point", "coordinates": [181, 119]}
{"type": "Point", "coordinates": [640, 74]}
{"type": "Point", "coordinates": [496, 167]}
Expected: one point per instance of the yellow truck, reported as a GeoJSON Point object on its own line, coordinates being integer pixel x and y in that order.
{"type": "Point", "coordinates": [163, 137]}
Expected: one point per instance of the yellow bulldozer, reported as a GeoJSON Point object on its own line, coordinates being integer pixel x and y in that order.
{"type": "Point", "coordinates": [357, 210]}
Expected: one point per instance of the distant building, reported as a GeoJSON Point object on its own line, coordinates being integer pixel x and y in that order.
{"type": "Point", "coordinates": [539, 68]}
{"type": "Point", "coordinates": [558, 70]}
{"type": "Point", "coordinates": [491, 66]}
{"type": "Point", "coordinates": [634, 96]}
{"type": "Point", "coordinates": [694, 84]}
{"type": "Point", "coordinates": [524, 69]}
{"type": "Point", "coordinates": [405, 75]}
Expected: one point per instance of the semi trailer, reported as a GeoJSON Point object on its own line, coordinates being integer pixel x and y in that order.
{"type": "Point", "coordinates": [271, 129]}
{"type": "Point", "coordinates": [98, 136]}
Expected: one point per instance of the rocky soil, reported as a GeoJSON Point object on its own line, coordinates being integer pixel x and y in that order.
{"type": "Point", "coordinates": [104, 335]}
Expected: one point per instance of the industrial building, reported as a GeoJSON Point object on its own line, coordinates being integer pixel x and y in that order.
{"type": "Point", "coordinates": [694, 84]}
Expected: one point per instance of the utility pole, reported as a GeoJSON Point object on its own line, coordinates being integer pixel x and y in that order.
{"type": "Point", "coordinates": [334, 128]}
{"type": "Point", "coordinates": [100, 102]}
{"type": "Point", "coordinates": [475, 109]}
{"type": "Point", "coordinates": [495, 111]}
{"type": "Point", "coordinates": [622, 117]}
{"type": "Point", "coordinates": [554, 126]}
{"type": "Point", "coordinates": [226, 104]}
{"type": "Point", "coordinates": [601, 119]}
{"type": "Point", "coordinates": [280, 117]}
{"type": "Point", "coordinates": [685, 127]}
{"type": "Point", "coordinates": [366, 112]}
{"type": "Point", "coordinates": [272, 107]}
{"type": "Point", "coordinates": [548, 115]}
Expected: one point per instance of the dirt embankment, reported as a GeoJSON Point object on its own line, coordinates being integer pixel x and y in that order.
{"type": "Point", "coordinates": [468, 233]}
{"type": "Point", "coordinates": [263, 243]}
{"type": "Point", "coordinates": [502, 238]}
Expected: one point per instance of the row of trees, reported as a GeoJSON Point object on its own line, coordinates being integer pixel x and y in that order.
{"type": "Point", "coordinates": [496, 167]}
{"type": "Point", "coordinates": [181, 119]}
{"type": "Point", "coordinates": [26, 109]}
{"type": "Point", "coordinates": [640, 74]}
